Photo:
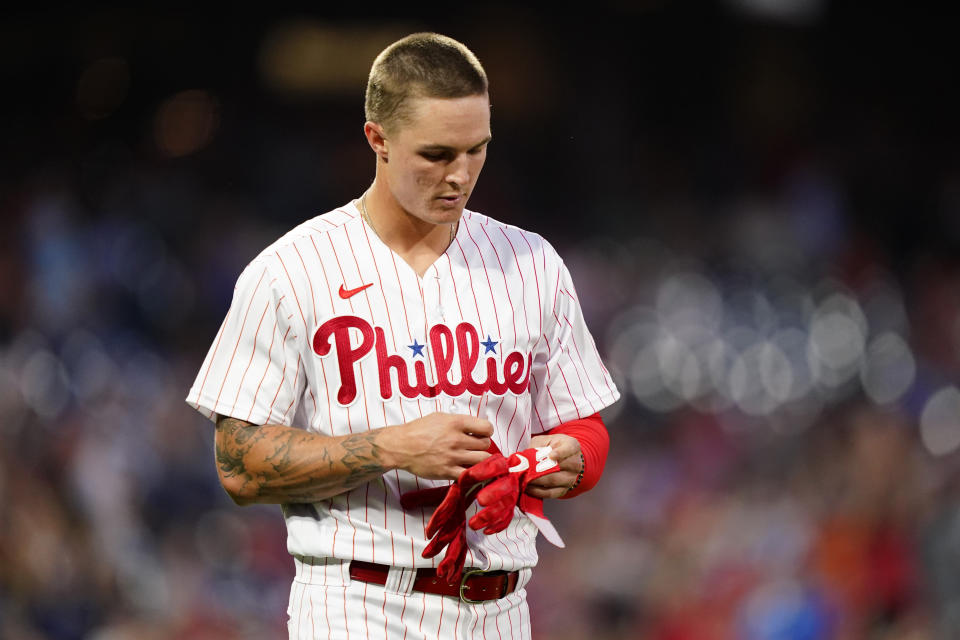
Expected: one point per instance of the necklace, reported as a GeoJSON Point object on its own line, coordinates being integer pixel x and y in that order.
{"type": "Point", "coordinates": [366, 217]}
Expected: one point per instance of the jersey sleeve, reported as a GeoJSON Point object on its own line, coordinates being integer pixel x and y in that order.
{"type": "Point", "coordinates": [568, 379]}
{"type": "Point", "coordinates": [253, 370]}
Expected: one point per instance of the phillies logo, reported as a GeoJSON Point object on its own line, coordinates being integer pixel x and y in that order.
{"type": "Point", "coordinates": [461, 345]}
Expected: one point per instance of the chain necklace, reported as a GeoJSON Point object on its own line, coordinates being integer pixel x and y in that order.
{"type": "Point", "coordinates": [366, 216]}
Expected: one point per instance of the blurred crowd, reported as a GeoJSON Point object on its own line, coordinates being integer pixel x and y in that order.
{"type": "Point", "coordinates": [768, 255]}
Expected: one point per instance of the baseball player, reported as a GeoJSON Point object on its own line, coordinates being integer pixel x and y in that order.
{"type": "Point", "coordinates": [395, 345]}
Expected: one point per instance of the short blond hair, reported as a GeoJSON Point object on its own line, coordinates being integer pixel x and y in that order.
{"type": "Point", "coordinates": [421, 65]}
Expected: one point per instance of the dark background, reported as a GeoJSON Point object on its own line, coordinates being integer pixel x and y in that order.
{"type": "Point", "coordinates": [760, 206]}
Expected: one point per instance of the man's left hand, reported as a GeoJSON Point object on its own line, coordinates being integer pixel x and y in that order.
{"type": "Point", "coordinates": [566, 451]}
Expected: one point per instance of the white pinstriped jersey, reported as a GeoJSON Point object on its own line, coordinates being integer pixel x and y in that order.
{"type": "Point", "coordinates": [331, 331]}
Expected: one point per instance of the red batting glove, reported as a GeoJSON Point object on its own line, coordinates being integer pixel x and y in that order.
{"type": "Point", "coordinates": [447, 525]}
{"type": "Point", "coordinates": [503, 494]}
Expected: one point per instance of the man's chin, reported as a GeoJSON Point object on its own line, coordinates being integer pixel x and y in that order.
{"type": "Point", "coordinates": [447, 214]}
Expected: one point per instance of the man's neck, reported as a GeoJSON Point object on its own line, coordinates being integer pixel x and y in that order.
{"type": "Point", "coordinates": [417, 242]}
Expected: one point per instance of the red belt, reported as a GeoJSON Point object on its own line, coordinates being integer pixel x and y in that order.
{"type": "Point", "coordinates": [475, 585]}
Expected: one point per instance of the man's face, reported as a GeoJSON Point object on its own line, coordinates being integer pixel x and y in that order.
{"type": "Point", "coordinates": [434, 160]}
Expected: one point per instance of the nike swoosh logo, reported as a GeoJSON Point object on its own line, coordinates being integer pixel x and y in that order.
{"type": "Point", "coordinates": [347, 293]}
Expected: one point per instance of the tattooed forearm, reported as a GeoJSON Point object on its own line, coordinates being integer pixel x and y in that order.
{"type": "Point", "coordinates": [274, 463]}
{"type": "Point", "coordinates": [363, 456]}
{"type": "Point", "coordinates": [238, 438]}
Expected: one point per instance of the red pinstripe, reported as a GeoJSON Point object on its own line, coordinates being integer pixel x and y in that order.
{"type": "Point", "coordinates": [313, 630]}
{"type": "Point", "coordinates": [403, 302]}
{"type": "Point", "coordinates": [576, 370]}
{"type": "Point", "coordinates": [535, 410]}
{"type": "Point", "coordinates": [453, 281]}
{"type": "Point", "coordinates": [266, 369]}
{"type": "Point", "coordinates": [456, 623]}
{"type": "Point", "coordinates": [226, 374]}
{"type": "Point", "coordinates": [423, 611]}
{"type": "Point", "coordinates": [440, 623]}
{"type": "Point", "coordinates": [496, 416]}
{"type": "Point", "coordinates": [213, 355]}
{"type": "Point", "coordinates": [520, 615]}
{"type": "Point", "coordinates": [366, 518]}
{"type": "Point", "coordinates": [475, 621]}
{"type": "Point", "coordinates": [516, 406]}
{"type": "Point", "coordinates": [366, 630]}
{"type": "Point", "coordinates": [423, 305]}
{"type": "Point", "coordinates": [536, 281]}
{"type": "Point", "coordinates": [253, 352]}
{"type": "Point", "coordinates": [547, 386]}
{"type": "Point", "coordinates": [440, 301]}
{"type": "Point", "coordinates": [556, 294]}
{"type": "Point", "coordinates": [573, 340]}
{"type": "Point", "coordinates": [513, 310]}
{"type": "Point", "coordinates": [323, 368]}
{"type": "Point", "coordinates": [350, 302]}
{"type": "Point", "coordinates": [346, 620]}
{"type": "Point", "coordinates": [456, 296]}
{"type": "Point", "coordinates": [386, 309]}
{"type": "Point", "coordinates": [303, 589]}
{"type": "Point", "coordinates": [493, 299]}
{"type": "Point", "coordinates": [306, 272]}
{"type": "Point", "coordinates": [501, 540]}
{"type": "Point", "coordinates": [383, 612]}
{"type": "Point", "coordinates": [406, 317]}
{"type": "Point", "coordinates": [293, 399]}
{"type": "Point", "coordinates": [393, 550]}
{"type": "Point", "coordinates": [363, 392]}
{"type": "Point", "coordinates": [306, 329]}
{"type": "Point", "coordinates": [326, 386]}
{"type": "Point", "coordinates": [403, 416]}
{"type": "Point", "coordinates": [583, 388]}
{"type": "Point", "coordinates": [283, 376]}
{"type": "Point", "coordinates": [506, 286]}
{"type": "Point", "coordinates": [473, 289]}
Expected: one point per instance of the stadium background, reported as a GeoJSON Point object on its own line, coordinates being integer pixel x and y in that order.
{"type": "Point", "coordinates": [760, 206]}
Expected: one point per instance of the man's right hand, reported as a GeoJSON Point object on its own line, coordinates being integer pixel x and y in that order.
{"type": "Point", "coordinates": [278, 464]}
{"type": "Point", "coordinates": [438, 446]}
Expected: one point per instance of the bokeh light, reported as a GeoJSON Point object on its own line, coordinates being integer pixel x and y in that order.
{"type": "Point", "coordinates": [103, 87]}
{"type": "Point", "coordinates": [186, 122]}
{"type": "Point", "coordinates": [940, 422]}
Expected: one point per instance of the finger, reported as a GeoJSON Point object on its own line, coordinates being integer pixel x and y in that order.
{"type": "Point", "coordinates": [452, 472]}
{"type": "Point", "coordinates": [553, 480]}
{"type": "Point", "coordinates": [539, 492]}
{"type": "Point", "coordinates": [571, 464]}
{"type": "Point", "coordinates": [471, 457]}
{"type": "Point", "coordinates": [475, 426]}
{"type": "Point", "coordinates": [476, 443]}
{"type": "Point", "coordinates": [564, 448]}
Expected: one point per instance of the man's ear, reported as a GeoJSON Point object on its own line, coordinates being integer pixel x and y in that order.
{"type": "Point", "coordinates": [377, 139]}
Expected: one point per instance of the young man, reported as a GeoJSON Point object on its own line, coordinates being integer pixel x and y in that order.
{"type": "Point", "coordinates": [387, 346]}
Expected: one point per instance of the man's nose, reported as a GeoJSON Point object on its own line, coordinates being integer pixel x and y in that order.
{"type": "Point", "coordinates": [458, 171]}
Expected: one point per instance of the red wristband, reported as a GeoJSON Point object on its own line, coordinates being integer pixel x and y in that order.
{"type": "Point", "coordinates": [594, 441]}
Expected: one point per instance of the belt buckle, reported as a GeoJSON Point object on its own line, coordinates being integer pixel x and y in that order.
{"type": "Point", "coordinates": [463, 585]}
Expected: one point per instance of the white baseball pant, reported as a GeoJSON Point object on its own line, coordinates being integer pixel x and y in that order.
{"type": "Point", "coordinates": [326, 604]}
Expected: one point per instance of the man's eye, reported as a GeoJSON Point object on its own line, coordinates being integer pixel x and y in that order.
{"type": "Point", "coordinates": [432, 157]}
